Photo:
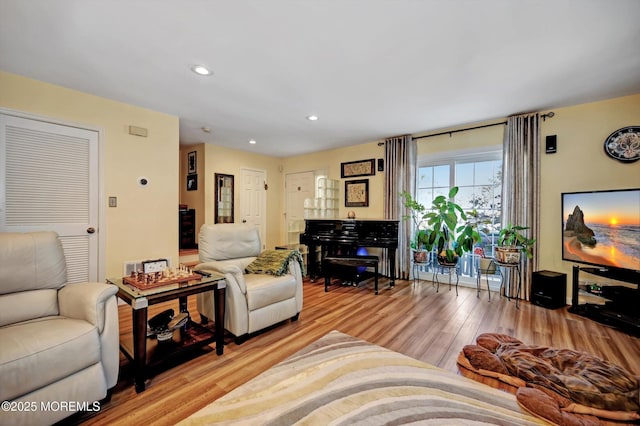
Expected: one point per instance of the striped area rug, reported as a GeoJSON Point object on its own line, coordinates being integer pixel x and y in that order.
{"type": "Point", "coordinates": [342, 380]}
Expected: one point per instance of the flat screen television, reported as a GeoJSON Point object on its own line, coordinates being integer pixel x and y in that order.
{"type": "Point", "coordinates": [602, 228]}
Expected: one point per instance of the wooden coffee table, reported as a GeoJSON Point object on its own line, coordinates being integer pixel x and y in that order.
{"type": "Point", "coordinates": [147, 353]}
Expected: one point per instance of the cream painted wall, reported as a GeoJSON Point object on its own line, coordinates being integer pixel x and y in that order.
{"type": "Point", "coordinates": [194, 199]}
{"type": "Point", "coordinates": [220, 159]}
{"type": "Point", "coordinates": [581, 165]}
{"type": "Point", "coordinates": [330, 160]}
{"type": "Point", "coordinates": [144, 225]}
{"type": "Point", "coordinates": [462, 141]}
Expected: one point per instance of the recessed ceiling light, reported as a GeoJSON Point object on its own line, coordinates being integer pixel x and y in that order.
{"type": "Point", "coordinates": [201, 70]}
{"type": "Point", "coordinates": [206, 129]}
{"type": "Point", "coordinates": [252, 141]}
{"type": "Point", "coordinates": [312, 118]}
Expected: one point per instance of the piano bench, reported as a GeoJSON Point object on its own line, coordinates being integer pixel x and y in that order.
{"type": "Point", "coordinates": [351, 261]}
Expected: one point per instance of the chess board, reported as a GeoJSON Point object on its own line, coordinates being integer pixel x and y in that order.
{"type": "Point", "coordinates": [143, 284]}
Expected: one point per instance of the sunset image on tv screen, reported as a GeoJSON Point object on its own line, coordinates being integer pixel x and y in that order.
{"type": "Point", "coordinates": [602, 228]}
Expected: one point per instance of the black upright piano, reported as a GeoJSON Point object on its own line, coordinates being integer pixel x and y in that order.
{"type": "Point", "coordinates": [345, 236]}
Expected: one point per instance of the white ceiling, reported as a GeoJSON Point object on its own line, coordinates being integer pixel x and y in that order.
{"type": "Point", "coordinates": [369, 69]}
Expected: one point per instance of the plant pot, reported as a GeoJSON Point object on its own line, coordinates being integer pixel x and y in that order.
{"type": "Point", "coordinates": [509, 254]}
{"type": "Point", "coordinates": [442, 260]}
{"type": "Point", "coordinates": [420, 256]}
{"type": "Point", "coordinates": [487, 266]}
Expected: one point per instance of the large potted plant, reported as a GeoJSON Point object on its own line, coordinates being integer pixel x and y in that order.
{"type": "Point", "coordinates": [452, 231]}
{"type": "Point", "coordinates": [420, 238]}
{"type": "Point", "coordinates": [512, 242]}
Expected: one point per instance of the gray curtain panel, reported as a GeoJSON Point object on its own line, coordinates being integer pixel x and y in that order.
{"type": "Point", "coordinates": [401, 161]}
{"type": "Point", "coordinates": [521, 184]}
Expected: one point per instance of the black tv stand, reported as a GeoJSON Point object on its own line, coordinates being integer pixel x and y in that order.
{"type": "Point", "coordinates": [612, 303]}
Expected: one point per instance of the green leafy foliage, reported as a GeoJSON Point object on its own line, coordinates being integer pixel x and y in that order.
{"type": "Point", "coordinates": [512, 236]}
{"type": "Point", "coordinates": [443, 230]}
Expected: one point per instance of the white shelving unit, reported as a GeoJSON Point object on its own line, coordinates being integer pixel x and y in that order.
{"type": "Point", "coordinates": [325, 204]}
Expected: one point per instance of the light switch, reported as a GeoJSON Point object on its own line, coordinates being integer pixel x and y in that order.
{"type": "Point", "coordinates": [113, 201]}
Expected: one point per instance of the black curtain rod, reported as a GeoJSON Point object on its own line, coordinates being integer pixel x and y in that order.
{"type": "Point", "coordinates": [461, 130]}
{"type": "Point", "coordinates": [455, 131]}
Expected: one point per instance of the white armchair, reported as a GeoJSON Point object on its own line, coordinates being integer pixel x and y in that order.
{"type": "Point", "coordinates": [58, 341]}
{"type": "Point", "coordinates": [253, 301]}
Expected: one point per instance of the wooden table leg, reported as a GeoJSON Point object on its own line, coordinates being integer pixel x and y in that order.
{"type": "Point", "coordinates": [218, 300]}
{"type": "Point", "coordinates": [182, 303]}
{"type": "Point", "coordinates": [139, 348]}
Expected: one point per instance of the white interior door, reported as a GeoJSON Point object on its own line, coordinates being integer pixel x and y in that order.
{"type": "Point", "coordinates": [49, 181]}
{"type": "Point", "coordinates": [253, 200]}
{"type": "Point", "coordinates": [299, 186]}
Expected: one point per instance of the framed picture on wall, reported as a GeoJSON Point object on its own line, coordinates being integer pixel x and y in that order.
{"type": "Point", "coordinates": [358, 168]}
{"type": "Point", "coordinates": [192, 162]}
{"type": "Point", "coordinates": [356, 193]}
{"type": "Point", "coordinates": [192, 182]}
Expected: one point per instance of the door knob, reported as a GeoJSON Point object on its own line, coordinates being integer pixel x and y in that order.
{"type": "Point", "coordinates": [91, 230]}
{"type": "Point", "coordinates": [244, 220]}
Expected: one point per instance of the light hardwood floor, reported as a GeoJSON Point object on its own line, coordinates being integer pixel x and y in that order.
{"type": "Point", "coordinates": [412, 319]}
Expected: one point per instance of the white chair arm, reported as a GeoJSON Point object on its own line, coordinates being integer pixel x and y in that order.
{"type": "Point", "coordinates": [231, 271]}
{"type": "Point", "coordinates": [86, 301]}
{"type": "Point", "coordinates": [296, 271]}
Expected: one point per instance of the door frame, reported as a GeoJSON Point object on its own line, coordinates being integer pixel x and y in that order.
{"type": "Point", "coordinates": [101, 168]}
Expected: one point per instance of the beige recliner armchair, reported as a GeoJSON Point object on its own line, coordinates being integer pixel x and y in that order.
{"type": "Point", "coordinates": [253, 301]}
{"type": "Point", "coordinates": [59, 348]}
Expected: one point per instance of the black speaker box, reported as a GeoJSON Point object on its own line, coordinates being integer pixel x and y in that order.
{"type": "Point", "coordinates": [551, 144]}
{"type": "Point", "coordinates": [549, 289]}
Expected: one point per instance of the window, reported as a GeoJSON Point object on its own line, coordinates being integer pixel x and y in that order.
{"type": "Point", "coordinates": [479, 177]}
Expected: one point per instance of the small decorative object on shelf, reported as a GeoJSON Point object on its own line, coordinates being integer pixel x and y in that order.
{"type": "Point", "coordinates": [594, 289]}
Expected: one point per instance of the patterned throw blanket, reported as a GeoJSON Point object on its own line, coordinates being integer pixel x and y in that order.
{"type": "Point", "coordinates": [275, 262]}
{"type": "Point", "coordinates": [341, 380]}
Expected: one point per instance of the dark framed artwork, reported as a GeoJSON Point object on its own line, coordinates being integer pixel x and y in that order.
{"type": "Point", "coordinates": [192, 161]}
{"type": "Point", "coordinates": [356, 193]}
{"type": "Point", "coordinates": [358, 168]}
{"type": "Point", "coordinates": [192, 182]}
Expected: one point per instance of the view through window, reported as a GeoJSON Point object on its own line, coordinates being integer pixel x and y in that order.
{"type": "Point", "coordinates": [479, 178]}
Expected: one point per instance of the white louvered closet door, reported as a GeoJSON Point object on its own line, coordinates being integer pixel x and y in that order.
{"type": "Point", "coordinates": [49, 181]}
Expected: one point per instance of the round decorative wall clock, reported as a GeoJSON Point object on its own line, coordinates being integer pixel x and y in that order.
{"type": "Point", "coordinates": [624, 144]}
